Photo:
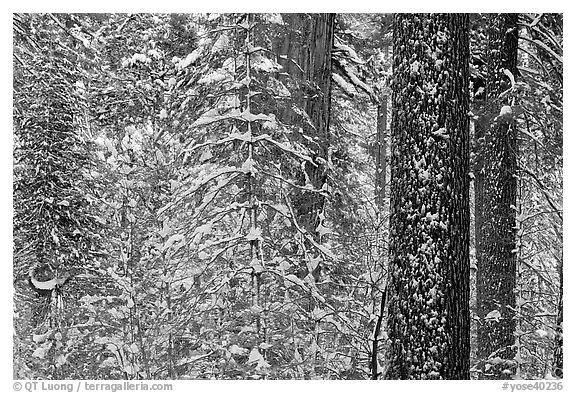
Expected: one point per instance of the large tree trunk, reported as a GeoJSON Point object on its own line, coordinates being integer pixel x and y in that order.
{"type": "Point", "coordinates": [429, 319]}
{"type": "Point", "coordinates": [306, 57]}
{"type": "Point", "coordinates": [319, 76]}
{"type": "Point", "coordinates": [306, 54]}
{"type": "Point", "coordinates": [495, 198]}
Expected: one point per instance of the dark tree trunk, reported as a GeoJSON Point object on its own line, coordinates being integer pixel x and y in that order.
{"type": "Point", "coordinates": [495, 199]}
{"type": "Point", "coordinates": [317, 106]}
{"type": "Point", "coordinates": [306, 55]}
{"type": "Point", "coordinates": [558, 366]}
{"type": "Point", "coordinates": [429, 321]}
{"type": "Point", "coordinates": [381, 147]}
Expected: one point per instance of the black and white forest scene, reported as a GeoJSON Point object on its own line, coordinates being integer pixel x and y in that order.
{"type": "Point", "coordinates": [289, 196]}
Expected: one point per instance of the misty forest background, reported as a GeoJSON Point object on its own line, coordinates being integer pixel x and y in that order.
{"type": "Point", "coordinates": [287, 196]}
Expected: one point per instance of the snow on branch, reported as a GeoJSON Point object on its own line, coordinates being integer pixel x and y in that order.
{"type": "Point", "coordinates": [307, 188]}
{"type": "Point", "coordinates": [304, 116]}
{"type": "Point", "coordinates": [535, 20]}
{"type": "Point", "coordinates": [347, 87]}
{"type": "Point", "coordinates": [344, 51]}
{"type": "Point", "coordinates": [544, 32]}
{"type": "Point", "coordinates": [235, 136]}
{"type": "Point", "coordinates": [285, 148]}
{"type": "Point", "coordinates": [247, 137]}
{"type": "Point", "coordinates": [79, 38]}
{"type": "Point", "coordinates": [540, 28]}
{"type": "Point", "coordinates": [546, 193]}
{"type": "Point", "coordinates": [546, 48]}
{"type": "Point", "coordinates": [351, 75]}
{"type": "Point", "coordinates": [323, 249]}
{"type": "Point", "coordinates": [230, 240]}
{"type": "Point", "coordinates": [510, 76]}
{"type": "Point", "coordinates": [235, 114]}
{"type": "Point", "coordinates": [223, 171]}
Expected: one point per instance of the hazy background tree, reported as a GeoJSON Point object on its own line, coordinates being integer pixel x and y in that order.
{"type": "Point", "coordinates": [496, 193]}
{"type": "Point", "coordinates": [524, 330]}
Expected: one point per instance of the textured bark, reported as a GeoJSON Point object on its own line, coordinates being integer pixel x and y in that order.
{"type": "Point", "coordinates": [319, 75]}
{"type": "Point", "coordinates": [495, 198]}
{"type": "Point", "coordinates": [308, 59]}
{"type": "Point", "coordinates": [428, 317]}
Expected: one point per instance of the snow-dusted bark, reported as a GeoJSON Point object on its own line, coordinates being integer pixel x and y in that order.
{"type": "Point", "coordinates": [495, 172]}
{"type": "Point", "coordinates": [428, 317]}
